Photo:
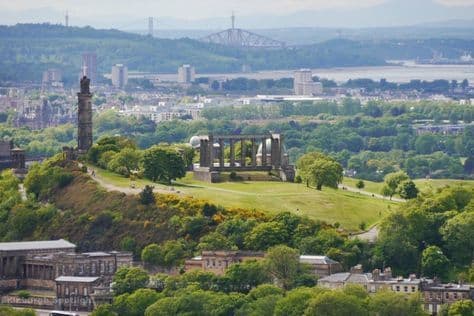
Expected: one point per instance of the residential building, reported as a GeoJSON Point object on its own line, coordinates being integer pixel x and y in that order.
{"type": "Point", "coordinates": [119, 75]}
{"type": "Point", "coordinates": [186, 74]}
{"type": "Point", "coordinates": [52, 76]}
{"type": "Point", "coordinates": [218, 261]}
{"type": "Point", "coordinates": [89, 66]}
{"type": "Point", "coordinates": [304, 85]}
{"type": "Point", "coordinates": [436, 295]}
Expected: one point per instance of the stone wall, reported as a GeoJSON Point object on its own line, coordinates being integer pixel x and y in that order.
{"type": "Point", "coordinates": [8, 285]}
{"type": "Point", "coordinates": [38, 284]}
{"type": "Point", "coordinates": [206, 176]}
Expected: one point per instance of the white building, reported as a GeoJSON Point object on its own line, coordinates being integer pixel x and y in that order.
{"type": "Point", "coordinates": [119, 75]}
{"type": "Point", "coordinates": [304, 85]}
{"type": "Point", "coordinates": [186, 74]}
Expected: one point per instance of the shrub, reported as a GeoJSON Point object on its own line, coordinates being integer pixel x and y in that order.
{"type": "Point", "coordinates": [24, 294]}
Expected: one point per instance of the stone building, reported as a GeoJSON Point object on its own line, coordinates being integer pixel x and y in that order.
{"type": "Point", "coordinates": [436, 295]}
{"type": "Point", "coordinates": [218, 261]}
{"type": "Point", "coordinates": [373, 282]}
{"type": "Point", "coordinates": [321, 265]}
{"type": "Point", "coordinates": [55, 266]}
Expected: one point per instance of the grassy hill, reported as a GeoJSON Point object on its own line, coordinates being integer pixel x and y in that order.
{"type": "Point", "coordinates": [422, 184]}
{"type": "Point", "coordinates": [348, 209]}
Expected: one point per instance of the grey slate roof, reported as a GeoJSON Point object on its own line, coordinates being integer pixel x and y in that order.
{"type": "Point", "coordinates": [36, 245]}
{"type": "Point", "coordinates": [76, 279]}
{"type": "Point", "coordinates": [316, 259]}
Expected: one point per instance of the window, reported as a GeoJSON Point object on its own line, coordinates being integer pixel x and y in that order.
{"type": "Point", "coordinates": [85, 291]}
{"type": "Point", "coordinates": [93, 267]}
{"type": "Point", "coordinates": [398, 288]}
{"type": "Point", "coordinates": [405, 288]}
{"type": "Point", "coordinates": [66, 290]}
{"type": "Point", "coordinates": [447, 295]}
{"type": "Point", "coordinates": [455, 296]}
{"type": "Point", "coordinates": [413, 289]}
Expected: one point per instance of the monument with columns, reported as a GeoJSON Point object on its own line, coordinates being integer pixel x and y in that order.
{"type": "Point", "coordinates": [84, 117]}
{"type": "Point", "coordinates": [266, 152]}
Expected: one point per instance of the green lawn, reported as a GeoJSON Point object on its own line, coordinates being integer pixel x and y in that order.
{"type": "Point", "coordinates": [349, 209]}
{"type": "Point", "coordinates": [422, 184]}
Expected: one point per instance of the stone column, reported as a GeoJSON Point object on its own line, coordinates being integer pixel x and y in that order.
{"type": "Point", "coordinates": [202, 150]}
{"type": "Point", "coordinates": [84, 120]}
{"type": "Point", "coordinates": [264, 151]}
{"type": "Point", "coordinates": [211, 154]}
{"type": "Point", "coordinates": [221, 156]}
{"type": "Point", "coordinates": [254, 153]}
{"type": "Point", "coordinates": [276, 155]}
{"type": "Point", "coordinates": [232, 153]}
{"type": "Point", "coordinates": [242, 152]}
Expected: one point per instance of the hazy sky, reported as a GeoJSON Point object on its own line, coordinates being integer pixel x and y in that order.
{"type": "Point", "coordinates": [214, 14]}
{"type": "Point", "coordinates": [192, 9]}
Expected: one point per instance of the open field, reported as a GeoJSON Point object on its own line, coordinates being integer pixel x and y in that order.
{"type": "Point", "coordinates": [422, 184]}
{"type": "Point", "coordinates": [347, 208]}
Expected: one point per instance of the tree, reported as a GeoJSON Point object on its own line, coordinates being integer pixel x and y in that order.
{"type": "Point", "coordinates": [129, 279]}
{"type": "Point", "coordinates": [319, 170]}
{"type": "Point", "coordinates": [283, 264]}
{"type": "Point", "coordinates": [461, 308]}
{"type": "Point", "coordinates": [246, 275]}
{"type": "Point", "coordinates": [408, 190]}
{"type": "Point", "coordinates": [266, 235]}
{"type": "Point", "coordinates": [295, 302]}
{"type": "Point", "coordinates": [388, 303]}
{"type": "Point", "coordinates": [458, 234]}
{"type": "Point", "coordinates": [434, 262]}
{"type": "Point", "coordinates": [392, 181]}
{"type": "Point", "coordinates": [469, 165]}
{"type": "Point", "coordinates": [215, 241]}
{"type": "Point", "coordinates": [126, 161]}
{"type": "Point", "coordinates": [147, 196]}
{"type": "Point", "coordinates": [360, 184]}
{"type": "Point", "coordinates": [335, 303]}
{"type": "Point", "coordinates": [163, 164]}
{"type": "Point", "coordinates": [152, 254]}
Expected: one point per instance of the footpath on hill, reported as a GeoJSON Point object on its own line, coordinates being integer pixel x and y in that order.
{"type": "Point", "coordinates": [375, 195]}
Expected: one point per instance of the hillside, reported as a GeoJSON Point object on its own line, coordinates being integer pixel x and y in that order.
{"type": "Point", "coordinates": [28, 49]}
{"type": "Point", "coordinates": [333, 206]}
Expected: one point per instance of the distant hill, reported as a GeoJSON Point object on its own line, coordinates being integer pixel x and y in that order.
{"type": "Point", "coordinates": [28, 49]}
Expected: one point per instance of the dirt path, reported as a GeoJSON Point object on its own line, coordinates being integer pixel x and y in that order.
{"type": "Point", "coordinates": [127, 190]}
{"type": "Point", "coordinates": [374, 195]}
{"type": "Point", "coordinates": [369, 236]}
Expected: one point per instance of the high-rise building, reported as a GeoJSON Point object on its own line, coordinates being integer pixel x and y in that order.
{"type": "Point", "coordinates": [52, 75]}
{"type": "Point", "coordinates": [89, 66]}
{"type": "Point", "coordinates": [304, 85]}
{"type": "Point", "coordinates": [186, 74]}
{"type": "Point", "coordinates": [150, 26]}
{"type": "Point", "coordinates": [119, 75]}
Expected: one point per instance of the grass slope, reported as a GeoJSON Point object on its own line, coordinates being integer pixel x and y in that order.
{"type": "Point", "coordinates": [422, 184]}
{"type": "Point", "coordinates": [348, 209]}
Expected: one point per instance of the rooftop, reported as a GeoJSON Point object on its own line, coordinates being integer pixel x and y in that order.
{"type": "Point", "coordinates": [76, 279]}
{"type": "Point", "coordinates": [317, 259]}
{"type": "Point", "coordinates": [36, 245]}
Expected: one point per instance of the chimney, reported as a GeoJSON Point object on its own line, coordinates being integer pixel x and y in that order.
{"type": "Point", "coordinates": [412, 277]}
{"type": "Point", "coordinates": [357, 269]}
{"type": "Point", "coordinates": [388, 272]}
{"type": "Point", "coordinates": [376, 274]}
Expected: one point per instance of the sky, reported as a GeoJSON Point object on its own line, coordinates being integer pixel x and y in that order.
{"type": "Point", "coordinates": [105, 12]}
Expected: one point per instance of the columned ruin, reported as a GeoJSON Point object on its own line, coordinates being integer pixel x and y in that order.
{"type": "Point", "coordinates": [257, 153]}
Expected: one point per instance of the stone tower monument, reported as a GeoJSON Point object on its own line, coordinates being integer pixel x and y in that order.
{"type": "Point", "coordinates": [84, 117]}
